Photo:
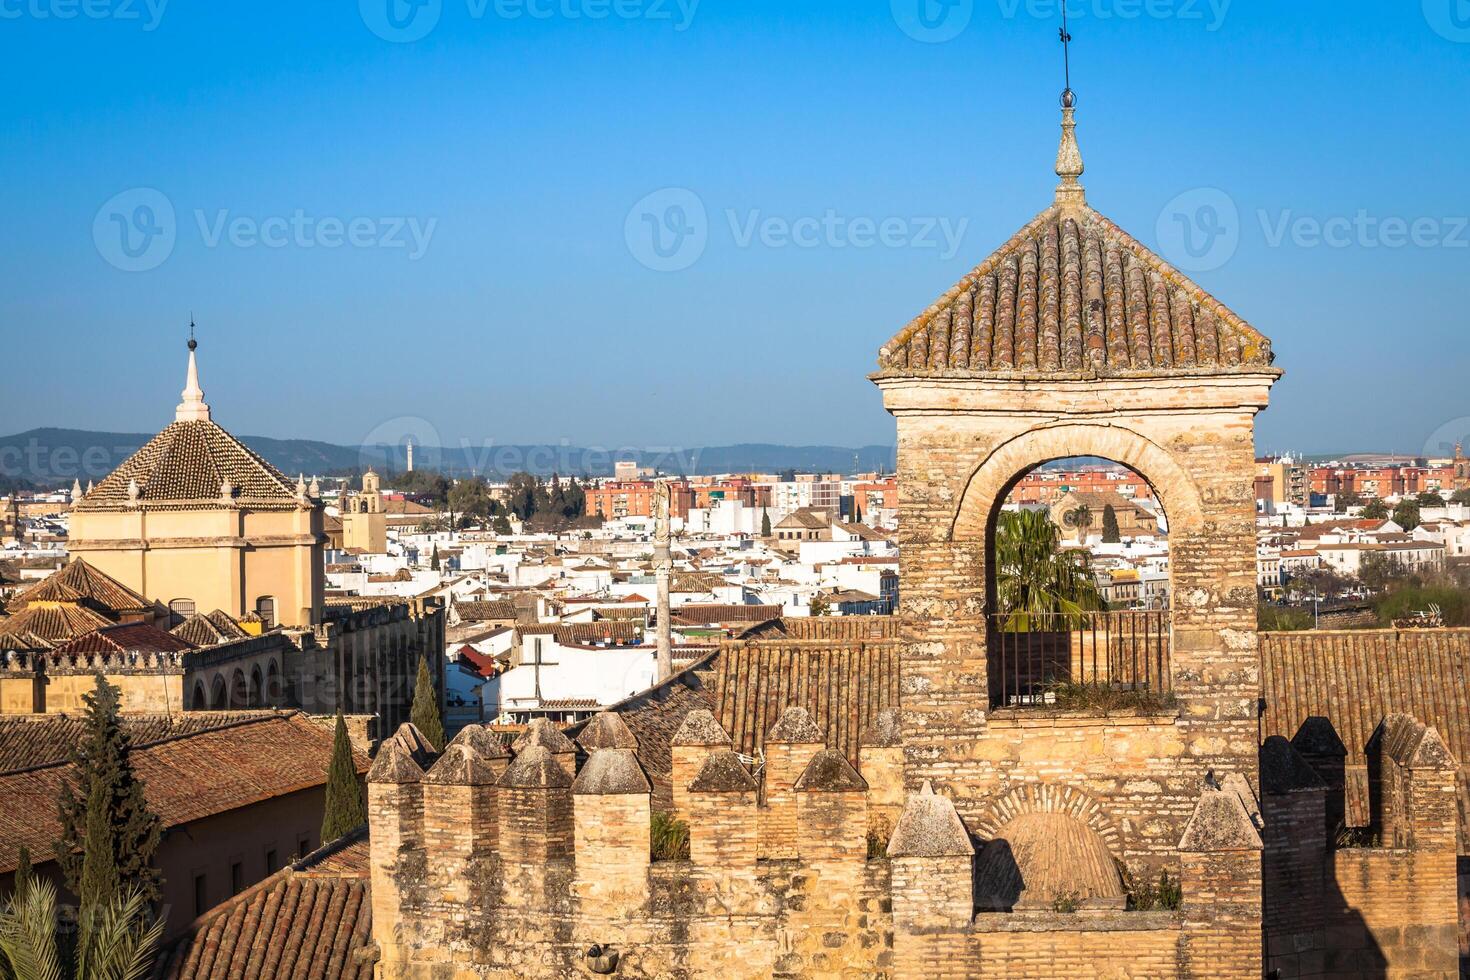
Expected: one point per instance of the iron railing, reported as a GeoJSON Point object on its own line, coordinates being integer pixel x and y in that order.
{"type": "Point", "coordinates": [1049, 660]}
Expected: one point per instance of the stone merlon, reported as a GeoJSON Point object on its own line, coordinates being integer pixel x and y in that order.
{"type": "Point", "coordinates": [534, 768]}
{"type": "Point", "coordinates": [544, 734]}
{"type": "Point", "coordinates": [611, 772]}
{"type": "Point", "coordinates": [1283, 770]}
{"type": "Point", "coordinates": [796, 728]}
{"type": "Point", "coordinates": [461, 766]}
{"type": "Point", "coordinates": [723, 772]}
{"type": "Point", "coordinates": [830, 772]}
{"type": "Point", "coordinates": [394, 765]}
{"type": "Point", "coordinates": [607, 730]}
{"type": "Point", "coordinates": [701, 728]}
{"type": "Point", "coordinates": [929, 826]}
{"type": "Point", "coordinates": [486, 744]}
{"type": "Point", "coordinates": [1221, 822]}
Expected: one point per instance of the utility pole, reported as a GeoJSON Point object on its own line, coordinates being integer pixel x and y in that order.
{"type": "Point", "coordinates": [663, 565]}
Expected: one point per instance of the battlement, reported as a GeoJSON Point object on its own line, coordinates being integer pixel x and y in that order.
{"type": "Point", "coordinates": [548, 858]}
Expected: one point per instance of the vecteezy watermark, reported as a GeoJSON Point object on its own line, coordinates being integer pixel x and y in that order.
{"type": "Point", "coordinates": [937, 21]}
{"type": "Point", "coordinates": [1449, 18]}
{"type": "Point", "coordinates": [1202, 229]}
{"type": "Point", "coordinates": [137, 230]}
{"type": "Point", "coordinates": [1446, 439]}
{"type": "Point", "coordinates": [1199, 230]}
{"type": "Point", "coordinates": [933, 21]}
{"type": "Point", "coordinates": [406, 21]}
{"type": "Point", "coordinates": [148, 13]}
{"type": "Point", "coordinates": [387, 447]}
{"type": "Point", "coordinates": [669, 231]}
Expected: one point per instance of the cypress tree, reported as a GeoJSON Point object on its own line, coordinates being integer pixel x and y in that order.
{"type": "Point", "coordinates": [108, 834]}
{"type": "Point", "coordinates": [344, 811]}
{"type": "Point", "coordinates": [434, 558]}
{"type": "Point", "coordinates": [1111, 534]}
{"type": "Point", "coordinates": [425, 712]}
{"type": "Point", "coordinates": [765, 523]}
{"type": "Point", "coordinates": [23, 872]}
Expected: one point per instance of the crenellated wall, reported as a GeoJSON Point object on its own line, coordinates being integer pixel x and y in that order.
{"type": "Point", "coordinates": [493, 863]}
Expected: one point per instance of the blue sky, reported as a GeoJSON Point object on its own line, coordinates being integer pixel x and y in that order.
{"type": "Point", "coordinates": [453, 227]}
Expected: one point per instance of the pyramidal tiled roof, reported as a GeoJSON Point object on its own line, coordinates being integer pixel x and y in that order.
{"type": "Point", "coordinates": [79, 582]}
{"type": "Point", "coordinates": [1073, 295]}
{"type": "Point", "coordinates": [189, 461]}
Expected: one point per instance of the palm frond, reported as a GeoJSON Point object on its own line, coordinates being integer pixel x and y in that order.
{"type": "Point", "coordinates": [117, 941]}
{"type": "Point", "coordinates": [28, 947]}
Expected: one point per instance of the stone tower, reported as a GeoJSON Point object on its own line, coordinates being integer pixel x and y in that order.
{"type": "Point", "coordinates": [1073, 339]}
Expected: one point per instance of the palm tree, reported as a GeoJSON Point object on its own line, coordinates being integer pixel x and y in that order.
{"type": "Point", "coordinates": [115, 942]}
{"type": "Point", "coordinates": [1035, 576]}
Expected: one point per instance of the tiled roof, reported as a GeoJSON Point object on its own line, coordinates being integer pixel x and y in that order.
{"type": "Point", "coordinates": [79, 582]}
{"type": "Point", "coordinates": [188, 461]}
{"type": "Point", "coordinates": [202, 630]}
{"type": "Point", "coordinates": [29, 741]}
{"type": "Point", "coordinates": [56, 624]}
{"type": "Point", "coordinates": [312, 919]}
{"type": "Point", "coordinates": [827, 628]}
{"type": "Point", "coordinates": [843, 686]}
{"type": "Point", "coordinates": [700, 614]}
{"type": "Point", "coordinates": [1073, 294]}
{"type": "Point", "coordinates": [473, 612]}
{"type": "Point", "coordinates": [605, 631]}
{"type": "Point", "coordinates": [1356, 679]}
{"type": "Point", "coordinates": [186, 777]}
{"type": "Point", "coordinates": [125, 638]}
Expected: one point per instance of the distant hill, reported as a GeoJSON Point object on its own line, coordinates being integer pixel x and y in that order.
{"type": "Point", "coordinates": [55, 457]}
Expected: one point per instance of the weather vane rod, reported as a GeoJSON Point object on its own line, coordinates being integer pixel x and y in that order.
{"type": "Point", "coordinates": [1069, 98]}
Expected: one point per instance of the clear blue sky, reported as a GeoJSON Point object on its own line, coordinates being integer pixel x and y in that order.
{"type": "Point", "coordinates": [518, 136]}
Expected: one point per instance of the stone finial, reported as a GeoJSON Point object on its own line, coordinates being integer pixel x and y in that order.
{"type": "Point", "coordinates": [543, 733]}
{"type": "Point", "coordinates": [460, 765]}
{"type": "Point", "coordinates": [315, 489]}
{"type": "Point", "coordinates": [607, 730]}
{"type": "Point", "coordinates": [395, 765]}
{"type": "Point", "coordinates": [76, 490]}
{"type": "Point", "coordinates": [300, 486]}
{"type": "Point", "coordinates": [534, 768]}
{"type": "Point", "coordinates": [1318, 737]}
{"type": "Point", "coordinates": [701, 729]}
{"type": "Point", "coordinates": [723, 772]}
{"type": "Point", "coordinates": [1220, 823]}
{"type": "Point", "coordinates": [885, 731]}
{"type": "Point", "coordinates": [796, 728]}
{"type": "Point", "coordinates": [1283, 770]}
{"type": "Point", "coordinates": [611, 772]}
{"type": "Point", "coordinates": [486, 743]}
{"type": "Point", "coordinates": [133, 490]}
{"type": "Point", "coordinates": [1069, 161]}
{"type": "Point", "coordinates": [830, 772]}
{"type": "Point", "coordinates": [929, 826]}
{"type": "Point", "coordinates": [226, 490]}
{"type": "Point", "coordinates": [192, 408]}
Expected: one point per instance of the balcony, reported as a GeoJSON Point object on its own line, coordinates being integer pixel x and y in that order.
{"type": "Point", "coordinates": [1098, 661]}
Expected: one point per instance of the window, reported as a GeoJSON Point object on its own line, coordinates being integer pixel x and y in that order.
{"type": "Point", "coordinates": [303, 846]}
{"type": "Point", "coordinates": [272, 862]}
{"type": "Point", "coordinates": [182, 608]}
{"type": "Point", "coordinates": [265, 608]}
{"type": "Point", "coordinates": [201, 895]}
{"type": "Point", "coordinates": [237, 878]}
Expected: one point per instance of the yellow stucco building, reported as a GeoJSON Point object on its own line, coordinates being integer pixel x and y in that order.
{"type": "Point", "coordinates": [197, 521]}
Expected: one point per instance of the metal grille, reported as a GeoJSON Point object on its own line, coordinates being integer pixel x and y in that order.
{"type": "Point", "coordinates": [1040, 660]}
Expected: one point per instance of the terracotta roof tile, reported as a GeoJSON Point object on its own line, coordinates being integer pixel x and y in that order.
{"type": "Point", "coordinates": [188, 461]}
{"type": "Point", "coordinates": [1073, 294]}
{"type": "Point", "coordinates": [79, 582]}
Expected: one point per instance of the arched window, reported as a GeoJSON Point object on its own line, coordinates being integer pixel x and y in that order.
{"type": "Point", "coordinates": [219, 698]}
{"type": "Point", "coordinates": [265, 608]}
{"type": "Point", "coordinates": [199, 703]}
{"type": "Point", "coordinates": [255, 696]}
{"type": "Point", "coordinates": [239, 690]}
{"type": "Point", "coordinates": [273, 694]}
{"type": "Point", "coordinates": [182, 608]}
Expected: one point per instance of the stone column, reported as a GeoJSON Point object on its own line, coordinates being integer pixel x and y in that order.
{"type": "Point", "coordinates": [698, 739]}
{"type": "Point", "coordinates": [396, 857]}
{"type": "Point", "coordinates": [933, 887]}
{"type": "Point", "coordinates": [1220, 874]}
{"type": "Point", "coordinates": [790, 747]}
{"type": "Point", "coordinates": [611, 832]}
{"type": "Point", "coordinates": [721, 806]}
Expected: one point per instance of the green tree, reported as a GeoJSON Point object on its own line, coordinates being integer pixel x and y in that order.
{"type": "Point", "coordinates": [1460, 497]}
{"type": "Point", "coordinates": [471, 499]}
{"type": "Point", "coordinates": [108, 834]}
{"type": "Point", "coordinates": [1035, 576]}
{"type": "Point", "coordinates": [765, 523]}
{"type": "Point", "coordinates": [1375, 510]}
{"type": "Point", "coordinates": [501, 524]}
{"type": "Point", "coordinates": [818, 605]}
{"type": "Point", "coordinates": [1430, 498]}
{"type": "Point", "coordinates": [425, 712]}
{"type": "Point", "coordinates": [521, 489]}
{"type": "Point", "coordinates": [1406, 514]}
{"type": "Point", "coordinates": [116, 941]}
{"type": "Point", "coordinates": [434, 558]}
{"type": "Point", "coordinates": [1111, 533]}
{"type": "Point", "coordinates": [344, 811]}
{"type": "Point", "coordinates": [1343, 500]}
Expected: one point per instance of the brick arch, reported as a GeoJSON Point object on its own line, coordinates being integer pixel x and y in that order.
{"type": "Point", "coordinates": [1016, 457]}
{"type": "Point", "coordinates": [1049, 798]}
